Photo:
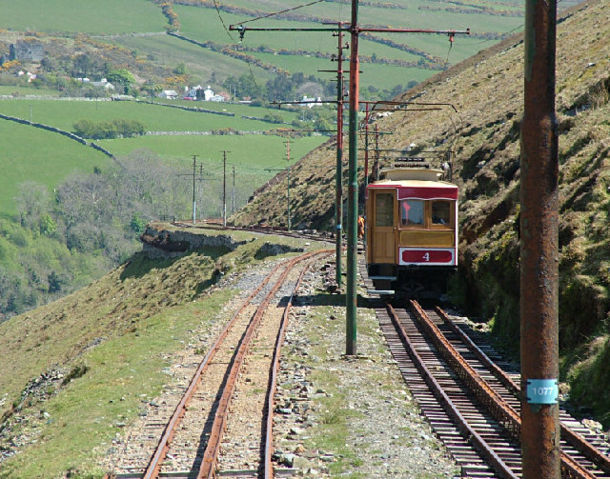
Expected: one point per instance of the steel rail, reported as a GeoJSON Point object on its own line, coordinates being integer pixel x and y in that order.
{"type": "Point", "coordinates": [154, 465]}
{"type": "Point", "coordinates": [496, 405]}
{"type": "Point", "coordinates": [210, 455]}
{"type": "Point", "coordinates": [499, 408]}
{"type": "Point", "coordinates": [269, 403]}
{"type": "Point", "coordinates": [448, 405]}
{"type": "Point", "coordinates": [570, 436]}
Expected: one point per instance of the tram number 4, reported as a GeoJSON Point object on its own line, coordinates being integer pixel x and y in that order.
{"type": "Point", "coordinates": [426, 256]}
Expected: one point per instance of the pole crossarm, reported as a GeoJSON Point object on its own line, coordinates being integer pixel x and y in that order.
{"type": "Point", "coordinates": [412, 30]}
{"type": "Point", "coordinates": [302, 102]}
{"type": "Point", "coordinates": [354, 30]}
{"type": "Point", "coordinates": [403, 150]}
{"type": "Point", "coordinates": [405, 110]}
{"type": "Point", "coordinates": [403, 103]}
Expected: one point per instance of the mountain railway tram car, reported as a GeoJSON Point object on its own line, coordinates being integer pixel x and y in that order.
{"type": "Point", "coordinates": [411, 232]}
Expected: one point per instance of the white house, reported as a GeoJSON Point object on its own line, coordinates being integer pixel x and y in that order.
{"type": "Point", "coordinates": [169, 94]}
{"type": "Point", "coordinates": [208, 94]}
{"type": "Point", "coordinates": [192, 93]}
{"type": "Point", "coordinates": [103, 83]}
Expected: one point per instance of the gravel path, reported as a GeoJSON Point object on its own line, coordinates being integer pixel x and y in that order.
{"type": "Point", "coordinates": [336, 416]}
{"type": "Point", "coordinates": [362, 402]}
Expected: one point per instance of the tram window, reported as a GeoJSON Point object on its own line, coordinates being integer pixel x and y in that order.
{"type": "Point", "coordinates": [441, 214]}
{"type": "Point", "coordinates": [412, 212]}
{"type": "Point", "coordinates": [384, 209]}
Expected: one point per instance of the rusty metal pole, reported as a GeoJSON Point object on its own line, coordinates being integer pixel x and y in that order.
{"type": "Point", "coordinates": [539, 248]}
{"type": "Point", "coordinates": [376, 164]}
{"type": "Point", "coordinates": [366, 146]}
{"type": "Point", "coordinates": [352, 203]}
{"type": "Point", "coordinates": [339, 172]}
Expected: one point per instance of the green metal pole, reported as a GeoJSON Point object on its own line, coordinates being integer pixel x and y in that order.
{"type": "Point", "coordinates": [352, 203]}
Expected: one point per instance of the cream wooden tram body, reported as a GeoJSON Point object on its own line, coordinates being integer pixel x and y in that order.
{"type": "Point", "coordinates": [411, 231]}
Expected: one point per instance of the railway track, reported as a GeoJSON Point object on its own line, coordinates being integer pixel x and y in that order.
{"type": "Point", "coordinates": [223, 423]}
{"type": "Point", "coordinates": [470, 401]}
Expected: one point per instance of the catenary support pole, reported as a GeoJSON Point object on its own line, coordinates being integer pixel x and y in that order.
{"type": "Point", "coordinates": [352, 198]}
{"type": "Point", "coordinates": [376, 164]}
{"type": "Point", "coordinates": [539, 248]}
{"type": "Point", "coordinates": [366, 146]}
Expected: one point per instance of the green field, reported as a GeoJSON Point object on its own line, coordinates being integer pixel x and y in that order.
{"type": "Point", "coordinates": [250, 154]}
{"type": "Point", "coordinates": [36, 150]}
{"type": "Point", "coordinates": [63, 114]}
{"type": "Point", "coordinates": [201, 63]}
{"type": "Point", "coordinates": [28, 153]}
{"type": "Point", "coordinates": [108, 17]}
{"type": "Point", "coordinates": [203, 24]}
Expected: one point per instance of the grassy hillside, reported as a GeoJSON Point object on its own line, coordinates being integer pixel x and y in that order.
{"type": "Point", "coordinates": [76, 371]}
{"type": "Point", "coordinates": [68, 16]}
{"type": "Point", "coordinates": [484, 135]}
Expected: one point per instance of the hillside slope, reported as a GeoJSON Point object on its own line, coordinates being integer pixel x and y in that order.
{"type": "Point", "coordinates": [487, 92]}
{"type": "Point", "coordinates": [76, 371]}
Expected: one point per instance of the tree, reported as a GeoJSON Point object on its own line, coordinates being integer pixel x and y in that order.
{"type": "Point", "coordinates": [180, 69]}
{"type": "Point", "coordinates": [82, 65]}
{"type": "Point", "coordinates": [248, 87]}
{"type": "Point", "coordinates": [32, 203]}
{"type": "Point", "coordinates": [122, 77]}
{"type": "Point", "coordinates": [55, 282]}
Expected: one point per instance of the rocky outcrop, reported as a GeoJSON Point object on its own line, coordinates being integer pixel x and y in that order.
{"type": "Point", "coordinates": [166, 243]}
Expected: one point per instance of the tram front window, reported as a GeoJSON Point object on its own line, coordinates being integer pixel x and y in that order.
{"type": "Point", "coordinates": [440, 213]}
{"type": "Point", "coordinates": [384, 209]}
{"type": "Point", "coordinates": [412, 212]}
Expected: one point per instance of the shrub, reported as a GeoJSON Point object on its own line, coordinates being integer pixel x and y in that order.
{"type": "Point", "coordinates": [109, 129]}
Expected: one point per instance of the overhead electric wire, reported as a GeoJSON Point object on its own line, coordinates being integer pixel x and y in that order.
{"type": "Point", "coordinates": [222, 21]}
